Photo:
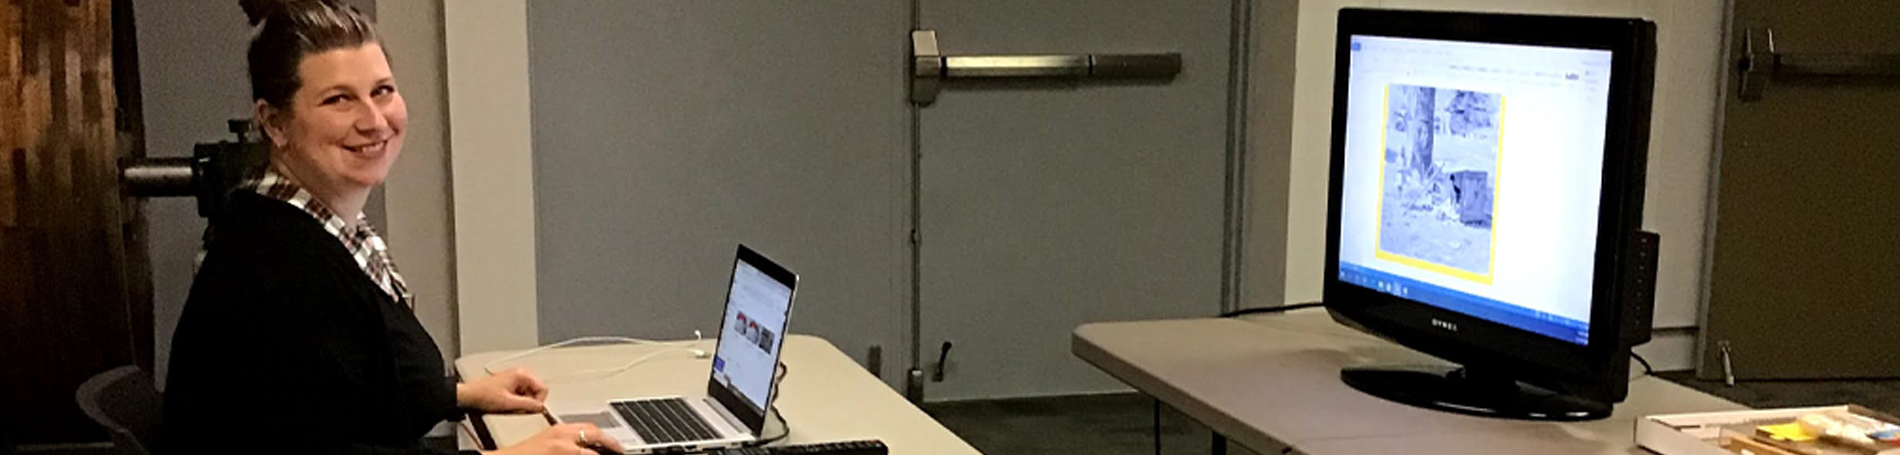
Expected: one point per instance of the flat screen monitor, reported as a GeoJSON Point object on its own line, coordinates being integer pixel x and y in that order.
{"type": "Point", "coordinates": [1486, 194]}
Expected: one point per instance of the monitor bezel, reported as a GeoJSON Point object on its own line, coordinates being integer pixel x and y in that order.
{"type": "Point", "coordinates": [1597, 370]}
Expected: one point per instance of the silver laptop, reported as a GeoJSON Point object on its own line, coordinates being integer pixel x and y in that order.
{"type": "Point", "coordinates": [740, 388]}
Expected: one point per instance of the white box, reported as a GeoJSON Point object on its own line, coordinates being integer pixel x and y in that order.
{"type": "Point", "coordinates": [1695, 434]}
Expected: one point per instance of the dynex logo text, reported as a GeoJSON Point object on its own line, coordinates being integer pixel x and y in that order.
{"type": "Point", "coordinates": [1444, 325]}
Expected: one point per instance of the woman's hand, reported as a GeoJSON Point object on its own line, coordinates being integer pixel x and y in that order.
{"type": "Point", "coordinates": [571, 438]}
{"type": "Point", "coordinates": [512, 391]}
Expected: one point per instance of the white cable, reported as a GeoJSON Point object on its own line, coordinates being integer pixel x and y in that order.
{"type": "Point", "coordinates": [607, 372]}
{"type": "Point", "coordinates": [671, 345]}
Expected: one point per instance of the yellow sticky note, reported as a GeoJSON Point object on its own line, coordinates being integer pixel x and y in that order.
{"type": "Point", "coordinates": [1786, 432]}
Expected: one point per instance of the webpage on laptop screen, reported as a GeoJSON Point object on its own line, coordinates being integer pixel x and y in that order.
{"type": "Point", "coordinates": [748, 344]}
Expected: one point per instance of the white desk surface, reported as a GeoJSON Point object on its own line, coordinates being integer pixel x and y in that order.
{"type": "Point", "coordinates": [824, 397]}
{"type": "Point", "coordinates": [1272, 382]}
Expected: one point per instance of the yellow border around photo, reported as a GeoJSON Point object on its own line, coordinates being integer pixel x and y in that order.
{"type": "Point", "coordinates": [1379, 221]}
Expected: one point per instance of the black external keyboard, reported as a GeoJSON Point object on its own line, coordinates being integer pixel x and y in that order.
{"type": "Point", "coordinates": [858, 447]}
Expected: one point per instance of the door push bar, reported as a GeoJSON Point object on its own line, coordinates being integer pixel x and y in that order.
{"type": "Point", "coordinates": [1757, 67]}
{"type": "Point", "coordinates": [929, 67]}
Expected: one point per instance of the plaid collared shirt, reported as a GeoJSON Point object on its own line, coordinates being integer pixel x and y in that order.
{"type": "Point", "coordinates": [371, 254]}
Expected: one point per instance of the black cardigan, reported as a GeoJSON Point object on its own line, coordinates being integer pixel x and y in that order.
{"type": "Point", "coordinates": [286, 346]}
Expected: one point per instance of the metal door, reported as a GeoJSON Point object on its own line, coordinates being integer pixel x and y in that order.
{"type": "Point", "coordinates": [1802, 257]}
{"type": "Point", "coordinates": [1048, 203]}
{"type": "Point", "coordinates": [664, 132]}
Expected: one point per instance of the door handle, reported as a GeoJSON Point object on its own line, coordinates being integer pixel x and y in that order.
{"type": "Point", "coordinates": [1758, 67]}
{"type": "Point", "coordinates": [929, 67]}
{"type": "Point", "coordinates": [943, 362]}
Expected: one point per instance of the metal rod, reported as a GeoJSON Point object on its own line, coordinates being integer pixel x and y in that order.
{"type": "Point", "coordinates": [963, 66]}
{"type": "Point", "coordinates": [1097, 66]}
{"type": "Point", "coordinates": [158, 177]}
{"type": "Point", "coordinates": [922, 92]}
{"type": "Point", "coordinates": [1134, 66]}
{"type": "Point", "coordinates": [929, 67]}
{"type": "Point", "coordinates": [1233, 188]}
{"type": "Point", "coordinates": [1728, 367]}
{"type": "Point", "coordinates": [1842, 65]}
{"type": "Point", "coordinates": [1757, 69]}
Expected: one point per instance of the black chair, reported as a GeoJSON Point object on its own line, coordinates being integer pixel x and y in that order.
{"type": "Point", "coordinates": [124, 401]}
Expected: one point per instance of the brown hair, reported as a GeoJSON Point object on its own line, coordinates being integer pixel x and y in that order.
{"type": "Point", "coordinates": [289, 30]}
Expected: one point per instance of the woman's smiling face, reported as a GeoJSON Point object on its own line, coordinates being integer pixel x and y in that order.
{"type": "Point", "coordinates": [345, 123]}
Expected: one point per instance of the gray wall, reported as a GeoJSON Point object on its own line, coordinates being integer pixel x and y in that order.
{"type": "Point", "coordinates": [665, 133]}
{"type": "Point", "coordinates": [191, 62]}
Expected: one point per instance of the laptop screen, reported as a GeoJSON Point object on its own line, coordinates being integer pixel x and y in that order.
{"type": "Point", "coordinates": [757, 306]}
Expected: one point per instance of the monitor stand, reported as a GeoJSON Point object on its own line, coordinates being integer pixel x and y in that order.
{"type": "Point", "coordinates": [1453, 389]}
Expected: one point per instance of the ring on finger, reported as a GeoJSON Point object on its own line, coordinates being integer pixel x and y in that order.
{"type": "Point", "coordinates": [583, 437]}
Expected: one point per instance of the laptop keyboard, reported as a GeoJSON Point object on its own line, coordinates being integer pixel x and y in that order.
{"type": "Point", "coordinates": [664, 421]}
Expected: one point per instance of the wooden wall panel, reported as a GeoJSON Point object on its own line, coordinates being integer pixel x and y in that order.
{"type": "Point", "coordinates": [67, 306]}
{"type": "Point", "coordinates": [10, 117]}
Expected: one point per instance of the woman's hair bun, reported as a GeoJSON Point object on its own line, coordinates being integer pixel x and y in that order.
{"type": "Point", "coordinates": [257, 10]}
{"type": "Point", "coordinates": [286, 31]}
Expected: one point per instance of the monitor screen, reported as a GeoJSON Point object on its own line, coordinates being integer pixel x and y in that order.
{"type": "Point", "coordinates": [1473, 176]}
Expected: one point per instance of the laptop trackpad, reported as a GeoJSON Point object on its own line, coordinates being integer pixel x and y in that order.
{"type": "Point", "coordinates": [599, 419]}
